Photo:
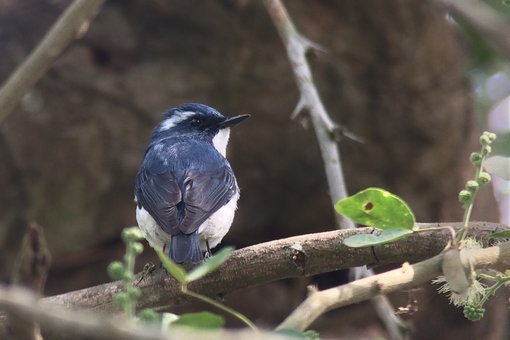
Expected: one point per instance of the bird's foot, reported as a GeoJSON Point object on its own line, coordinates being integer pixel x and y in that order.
{"type": "Point", "coordinates": [148, 268]}
{"type": "Point", "coordinates": [208, 252]}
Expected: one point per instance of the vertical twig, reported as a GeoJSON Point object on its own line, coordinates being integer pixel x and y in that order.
{"type": "Point", "coordinates": [73, 23]}
{"type": "Point", "coordinates": [30, 271]}
{"type": "Point", "coordinates": [325, 128]}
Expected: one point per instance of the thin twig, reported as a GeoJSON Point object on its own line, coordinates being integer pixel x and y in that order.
{"type": "Point", "coordinates": [31, 269]}
{"type": "Point", "coordinates": [406, 277]}
{"type": "Point", "coordinates": [297, 47]}
{"type": "Point", "coordinates": [325, 128]}
{"type": "Point", "coordinates": [72, 24]}
{"type": "Point", "coordinates": [79, 324]}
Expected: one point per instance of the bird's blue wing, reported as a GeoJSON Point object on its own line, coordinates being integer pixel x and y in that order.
{"type": "Point", "coordinates": [157, 191]}
{"type": "Point", "coordinates": [205, 192]}
{"type": "Point", "coordinates": [184, 184]}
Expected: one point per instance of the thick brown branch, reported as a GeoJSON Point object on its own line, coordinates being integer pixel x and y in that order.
{"type": "Point", "coordinates": [303, 255]}
{"type": "Point", "coordinates": [71, 24]}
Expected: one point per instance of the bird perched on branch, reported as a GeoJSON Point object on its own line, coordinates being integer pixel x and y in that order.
{"type": "Point", "coordinates": [186, 192]}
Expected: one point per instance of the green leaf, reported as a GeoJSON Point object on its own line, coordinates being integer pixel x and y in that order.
{"type": "Point", "coordinates": [209, 265]}
{"type": "Point", "coordinates": [366, 240]}
{"type": "Point", "coordinates": [292, 333]}
{"type": "Point", "coordinates": [377, 208]}
{"type": "Point", "coordinates": [173, 268]}
{"type": "Point", "coordinates": [501, 234]}
{"type": "Point", "coordinates": [202, 320]}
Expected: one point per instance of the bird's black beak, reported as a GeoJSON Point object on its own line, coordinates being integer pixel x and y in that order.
{"type": "Point", "coordinates": [231, 121]}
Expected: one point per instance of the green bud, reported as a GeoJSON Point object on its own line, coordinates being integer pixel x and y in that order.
{"type": "Point", "coordinates": [133, 293]}
{"type": "Point", "coordinates": [464, 196]}
{"type": "Point", "coordinates": [490, 135]}
{"type": "Point", "coordinates": [475, 158]}
{"type": "Point", "coordinates": [137, 248]}
{"type": "Point", "coordinates": [131, 234]}
{"type": "Point", "coordinates": [149, 315]}
{"type": "Point", "coordinates": [484, 178]}
{"type": "Point", "coordinates": [485, 140]}
{"type": "Point", "coordinates": [472, 186]}
{"type": "Point", "coordinates": [487, 149]}
{"type": "Point", "coordinates": [473, 312]}
{"type": "Point", "coordinates": [116, 270]}
{"type": "Point", "coordinates": [120, 299]}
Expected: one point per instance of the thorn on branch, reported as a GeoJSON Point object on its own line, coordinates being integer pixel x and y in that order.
{"type": "Point", "coordinates": [300, 106]}
{"type": "Point", "coordinates": [312, 45]}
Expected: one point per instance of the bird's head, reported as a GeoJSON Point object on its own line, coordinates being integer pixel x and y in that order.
{"type": "Point", "coordinates": [197, 121]}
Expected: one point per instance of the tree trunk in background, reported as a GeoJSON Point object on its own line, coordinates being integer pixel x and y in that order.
{"type": "Point", "coordinates": [395, 74]}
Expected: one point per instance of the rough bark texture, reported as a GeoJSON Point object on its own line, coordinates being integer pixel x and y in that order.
{"type": "Point", "coordinates": [395, 75]}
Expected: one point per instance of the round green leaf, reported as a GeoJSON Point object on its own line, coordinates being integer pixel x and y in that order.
{"type": "Point", "coordinates": [367, 240]}
{"type": "Point", "coordinates": [377, 208]}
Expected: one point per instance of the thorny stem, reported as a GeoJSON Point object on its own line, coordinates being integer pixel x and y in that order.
{"type": "Point", "coordinates": [184, 289]}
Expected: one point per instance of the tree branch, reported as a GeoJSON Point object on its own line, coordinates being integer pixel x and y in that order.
{"type": "Point", "coordinates": [485, 20]}
{"type": "Point", "coordinates": [405, 277]}
{"type": "Point", "coordinates": [63, 323]}
{"type": "Point", "coordinates": [304, 255]}
{"type": "Point", "coordinates": [73, 23]}
{"type": "Point", "coordinates": [297, 256]}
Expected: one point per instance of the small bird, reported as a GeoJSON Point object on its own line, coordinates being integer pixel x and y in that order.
{"type": "Point", "coordinates": [186, 192]}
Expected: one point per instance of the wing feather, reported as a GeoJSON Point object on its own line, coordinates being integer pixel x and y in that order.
{"type": "Point", "coordinates": [183, 184]}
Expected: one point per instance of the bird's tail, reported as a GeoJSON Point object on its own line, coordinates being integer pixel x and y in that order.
{"type": "Point", "coordinates": [185, 248]}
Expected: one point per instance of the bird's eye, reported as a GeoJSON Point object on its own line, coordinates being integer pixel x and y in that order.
{"type": "Point", "coordinates": [196, 122]}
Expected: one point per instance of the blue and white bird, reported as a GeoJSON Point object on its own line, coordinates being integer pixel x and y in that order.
{"type": "Point", "coordinates": [186, 192]}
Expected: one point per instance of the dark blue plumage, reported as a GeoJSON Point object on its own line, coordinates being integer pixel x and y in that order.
{"type": "Point", "coordinates": [184, 180]}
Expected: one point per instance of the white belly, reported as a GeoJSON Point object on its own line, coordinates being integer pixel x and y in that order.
{"type": "Point", "coordinates": [156, 237]}
{"type": "Point", "coordinates": [218, 225]}
{"type": "Point", "coordinates": [213, 229]}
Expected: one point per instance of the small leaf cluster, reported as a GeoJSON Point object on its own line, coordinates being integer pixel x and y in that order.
{"type": "Point", "coordinates": [468, 194]}
{"type": "Point", "coordinates": [124, 271]}
{"type": "Point", "coordinates": [473, 312]}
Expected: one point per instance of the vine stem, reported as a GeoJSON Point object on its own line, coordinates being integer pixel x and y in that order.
{"type": "Point", "coordinates": [130, 262]}
{"type": "Point", "coordinates": [221, 306]}
{"type": "Point", "coordinates": [468, 206]}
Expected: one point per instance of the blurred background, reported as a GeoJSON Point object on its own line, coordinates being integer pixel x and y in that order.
{"type": "Point", "coordinates": [417, 85]}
